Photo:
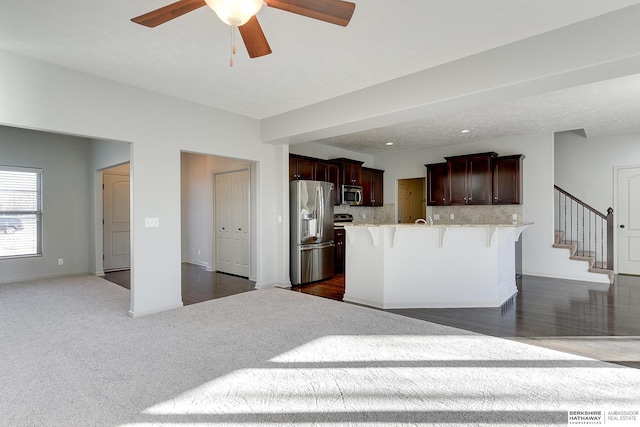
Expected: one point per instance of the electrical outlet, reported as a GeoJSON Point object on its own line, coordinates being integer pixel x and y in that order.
{"type": "Point", "coordinates": [452, 216]}
{"type": "Point", "coordinates": [60, 261]}
{"type": "Point", "coordinates": [436, 217]}
{"type": "Point", "coordinates": [514, 217]}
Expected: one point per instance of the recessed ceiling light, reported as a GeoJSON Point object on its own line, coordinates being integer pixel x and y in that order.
{"type": "Point", "coordinates": [465, 131]}
{"type": "Point", "coordinates": [389, 143]}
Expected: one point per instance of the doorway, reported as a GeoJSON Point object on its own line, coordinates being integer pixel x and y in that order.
{"type": "Point", "coordinates": [202, 213]}
{"type": "Point", "coordinates": [411, 199]}
{"type": "Point", "coordinates": [116, 213]}
{"type": "Point", "coordinates": [628, 220]}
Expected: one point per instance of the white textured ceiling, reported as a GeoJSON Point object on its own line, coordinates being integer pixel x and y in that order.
{"type": "Point", "coordinates": [605, 108]}
{"type": "Point", "coordinates": [313, 61]}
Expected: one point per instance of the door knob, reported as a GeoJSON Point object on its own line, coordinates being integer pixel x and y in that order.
{"type": "Point", "coordinates": [622, 226]}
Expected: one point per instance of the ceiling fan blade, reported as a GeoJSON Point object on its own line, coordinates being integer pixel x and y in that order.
{"type": "Point", "coordinates": [254, 38]}
{"type": "Point", "coordinates": [167, 13]}
{"type": "Point", "coordinates": [334, 11]}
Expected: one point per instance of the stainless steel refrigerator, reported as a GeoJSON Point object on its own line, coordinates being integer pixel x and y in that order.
{"type": "Point", "coordinates": [311, 218]}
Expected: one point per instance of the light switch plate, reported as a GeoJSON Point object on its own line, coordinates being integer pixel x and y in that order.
{"type": "Point", "coordinates": [436, 216]}
{"type": "Point", "coordinates": [452, 216]}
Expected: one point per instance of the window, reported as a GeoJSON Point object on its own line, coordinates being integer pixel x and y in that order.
{"type": "Point", "coordinates": [20, 212]}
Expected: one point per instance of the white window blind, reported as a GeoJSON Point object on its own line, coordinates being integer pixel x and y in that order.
{"type": "Point", "coordinates": [20, 212]}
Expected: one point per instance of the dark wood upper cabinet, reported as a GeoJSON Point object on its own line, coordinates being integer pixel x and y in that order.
{"type": "Point", "coordinates": [334, 176]}
{"type": "Point", "coordinates": [470, 179]}
{"type": "Point", "coordinates": [321, 171]}
{"type": "Point", "coordinates": [351, 171]}
{"type": "Point", "coordinates": [437, 184]}
{"type": "Point", "coordinates": [339, 171]}
{"type": "Point", "coordinates": [301, 167]}
{"type": "Point", "coordinates": [372, 181]}
{"type": "Point", "coordinates": [507, 180]}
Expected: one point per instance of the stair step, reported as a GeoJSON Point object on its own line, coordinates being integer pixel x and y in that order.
{"type": "Point", "coordinates": [609, 273]}
{"type": "Point", "coordinates": [582, 255]}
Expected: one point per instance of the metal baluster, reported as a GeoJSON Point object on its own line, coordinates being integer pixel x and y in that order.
{"type": "Point", "coordinates": [565, 218]}
{"type": "Point", "coordinates": [602, 238]}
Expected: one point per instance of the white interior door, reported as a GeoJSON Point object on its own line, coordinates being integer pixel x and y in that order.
{"type": "Point", "coordinates": [233, 234]}
{"type": "Point", "coordinates": [224, 248]}
{"type": "Point", "coordinates": [116, 215]}
{"type": "Point", "coordinates": [628, 213]}
{"type": "Point", "coordinates": [404, 202]}
{"type": "Point", "coordinates": [240, 219]}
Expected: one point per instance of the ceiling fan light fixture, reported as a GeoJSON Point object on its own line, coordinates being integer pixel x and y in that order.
{"type": "Point", "coordinates": [235, 12]}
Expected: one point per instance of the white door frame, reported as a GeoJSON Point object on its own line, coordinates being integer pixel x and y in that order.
{"type": "Point", "coordinates": [616, 224]}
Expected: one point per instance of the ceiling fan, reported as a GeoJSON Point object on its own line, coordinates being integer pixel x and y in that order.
{"type": "Point", "coordinates": [241, 14]}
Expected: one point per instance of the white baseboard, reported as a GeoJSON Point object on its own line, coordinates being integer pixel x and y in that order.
{"type": "Point", "coordinates": [272, 285]}
{"type": "Point", "coordinates": [157, 310]}
{"type": "Point", "coordinates": [43, 277]}
{"type": "Point", "coordinates": [198, 263]}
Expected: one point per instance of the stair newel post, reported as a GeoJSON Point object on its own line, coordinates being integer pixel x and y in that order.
{"type": "Point", "coordinates": [609, 239]}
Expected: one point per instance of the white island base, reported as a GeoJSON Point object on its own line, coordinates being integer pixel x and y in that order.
{"type": "Point", "coordinates": [423, 266]}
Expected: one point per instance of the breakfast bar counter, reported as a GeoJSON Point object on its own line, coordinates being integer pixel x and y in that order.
{"type": "Point", "coordinates": [424, 266]}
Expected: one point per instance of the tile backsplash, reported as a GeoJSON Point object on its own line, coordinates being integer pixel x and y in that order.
{"type": "Point", "coordinates": [502, 214]}
{"type": "Point", "coordinates": [369, 214]}
{"type": "Point", "coordinates": [492, 214]}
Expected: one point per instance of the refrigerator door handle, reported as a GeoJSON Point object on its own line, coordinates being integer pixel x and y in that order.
{"type": "Point", "coordinates": [320, 215]}
{"type": "Point", "coordinates": [316, 246]}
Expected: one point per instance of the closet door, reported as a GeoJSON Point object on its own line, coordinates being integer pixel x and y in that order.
{"type": "Point", "coordinates": [232, 208]}
{"type": "Point", "coordinates": [224, 247]}
{"type": "Point", "coordinates": [240, 199]}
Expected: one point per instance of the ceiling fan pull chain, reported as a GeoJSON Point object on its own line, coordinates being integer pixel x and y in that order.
{"type": "Point", "coordinates": [233, 44]}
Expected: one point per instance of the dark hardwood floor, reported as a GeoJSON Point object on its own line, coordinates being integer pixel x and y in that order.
{"type": "Point", "coordinates": [198, 284]}
{"type": "Point", "coordinates": [331, 288]}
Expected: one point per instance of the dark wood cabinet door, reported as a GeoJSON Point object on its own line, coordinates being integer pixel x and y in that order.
{"type": "Point", "coordinates": [333, 176]}
{"type": "Point", "coordinates": [479, 187]}
{"type": "Point", "coordinates": [457, 171]}
{"type": "Point", "coordinates": [339, 253]}
{"type": "Point", "coordinates": [352, 173]}
{"type": "Point", "coordinates": [507, 180]}
{"type": "Point", "coordinates": [300, 167]}
{"type": "Point", "coordinates": [305, 169]}
{"type": "Point", "coordinates": [365, 181]}
{"type": "Point", "coordinates": [321, 171]}
{"type": "Point", "coordinates": [372, 181]}
{"type": "Point", "coordinates": [377, 190]}
{"type": "Point", "coordinates": [470, 179]}
{"type": "Point", "coordinates": [437, 184]}
{"type": "Point", "coordinates": [293, 168]}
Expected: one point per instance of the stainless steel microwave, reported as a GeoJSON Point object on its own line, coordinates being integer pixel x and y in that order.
{"type": "Point", "coordinates": [352, 195]}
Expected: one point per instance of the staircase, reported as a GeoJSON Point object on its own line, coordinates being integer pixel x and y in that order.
{"type": "Point", "coordinates": [585, 232]}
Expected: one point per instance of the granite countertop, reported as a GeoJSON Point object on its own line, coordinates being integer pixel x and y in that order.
{"type": "Point", "coordinates": [514, 224]}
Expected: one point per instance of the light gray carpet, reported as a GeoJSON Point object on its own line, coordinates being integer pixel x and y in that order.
{"type": "Point", "coordinates": [70, 356]}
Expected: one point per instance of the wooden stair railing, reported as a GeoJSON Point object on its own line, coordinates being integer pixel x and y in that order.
{"type": "Point", "coordinates": [584, 228]}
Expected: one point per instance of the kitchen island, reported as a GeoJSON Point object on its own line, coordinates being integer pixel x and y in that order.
{"type": "Point", "coordinates": [422, 266]}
